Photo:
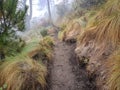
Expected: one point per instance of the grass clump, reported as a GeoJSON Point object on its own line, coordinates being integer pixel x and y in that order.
{"type": "Point", "coordinates": [23, 75]}
{"type": "Point", "coordinates": [114, 71]}
{"type": "Point", "coordinates": [47, 41]}
{"type": "Point", "coordinates": [61, 35]}
{"type": "Point", "coordinates": [46, 47]}
{"type": "Point", "coordinates": [71, 31]}
{"type": "Point", "coordinates": [23, 72]}
{"type": "Point", "coordinates": [64, 29]}
{"type": "Point", "coordinates": [104, 30]}
{"type": "Point", "coordinates": [44, 32]}
{"type": "Point", "coordinates": [40, 50]}
{"type": "Point", "coordinates": [31, 46]}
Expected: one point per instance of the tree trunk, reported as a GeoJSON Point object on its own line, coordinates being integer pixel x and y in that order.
{"type": "Point", "coordinates": [24, 2]}
{"type": "Point", "coordinates": [29, 16]}
{"type": "Point", "coordinates": [49, 12]}
{"type": "Point", "coordinates": [30, 1]}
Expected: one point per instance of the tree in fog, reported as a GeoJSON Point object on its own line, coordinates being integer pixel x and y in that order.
{"type": "Point", "coordinates": [24, 2]}
{"type": "Point", "coordinates": [30, 3]}
{"type": "Point", "coordinates": [29, 15]}
{"type": "Point", "coordinates": [88, 3]}
{"type": "Point", "coordinates": [81, 6]}
{"type": "Point", "coordinates": [49, 12]}
{"type": "Point", "coordinates": [62, 8]}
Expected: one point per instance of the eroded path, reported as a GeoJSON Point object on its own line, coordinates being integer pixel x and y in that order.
{"type": "Point", "coordinates": [65, 73]}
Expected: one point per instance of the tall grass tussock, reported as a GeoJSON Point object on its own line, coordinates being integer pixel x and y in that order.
{"type": "Point", "coordinates": [24, 71]}
{"type": "Point", "coordinates": [71, 31]}
{"type": "Point", "coordinates": [113, 80]}
{"type": "Point", "coordinates": [104, 30]}
{"type": "Point", "coordinates": [46, 48]}
{"type": "Point", "coordinates": [42, 48]}
{"type": "Point", "coordinates": [99, 41]}
{"type": "Point", "coordinates": [23, 75]}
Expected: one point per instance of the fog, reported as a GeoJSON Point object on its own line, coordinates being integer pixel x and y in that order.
{"type": "Point", "coordinates": [40, 10]}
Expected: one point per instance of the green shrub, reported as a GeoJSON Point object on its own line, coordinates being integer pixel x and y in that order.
{"type": "Point", "coordinates": [12, 21]}
{"type": "Point", "coordinates": [23, 74]}
{"type": "Point", "coordinates": [44, 32]}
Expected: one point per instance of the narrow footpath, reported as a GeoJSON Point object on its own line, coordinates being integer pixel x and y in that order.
{"type": "Point", "coordinates": [65, 72]}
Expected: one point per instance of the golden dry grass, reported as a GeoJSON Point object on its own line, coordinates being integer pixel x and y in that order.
{"type": "Point", "coordinates": [21, 72]}
{"type": "Point", "coordinates": [46, 47]}
{"type": "Point", "coordinates": [61, 35]}
{"type": "Point", "coordinates": [100, 38]}
{"type": "Point", "coordinates": [104, 30]}
{"type": "Point", "coordinates": [23, 75]}
{"type": "Point", "coordinates": [113, 80]}
{"type": "Point", "coordinates": [47, 41]}
{"type": "Point", "coordinates": [71, 31]}
{"type": "Point", "coordinates": [43, 48]}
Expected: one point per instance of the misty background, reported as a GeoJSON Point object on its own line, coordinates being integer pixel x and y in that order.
{"type": "Point", "coordinates": [38, 11]}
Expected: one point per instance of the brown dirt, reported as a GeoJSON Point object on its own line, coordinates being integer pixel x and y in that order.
{"type": "Point", "coordinates": [65, 72]}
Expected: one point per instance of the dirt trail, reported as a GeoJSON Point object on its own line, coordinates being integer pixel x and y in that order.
{"type": "Point", "coordinates": [65, 73]}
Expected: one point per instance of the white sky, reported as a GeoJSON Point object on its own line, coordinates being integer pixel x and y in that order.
{"type": "Point", "coordinates": [57, 1]}
{"type": "Point", "coordinates": [36, 9]}
{"type": "Point", "coordinates": [36, 12]}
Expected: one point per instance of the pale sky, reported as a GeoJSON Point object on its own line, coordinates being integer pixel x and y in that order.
{"type": "Point", "coordinates": [36, 8]}
{"type": "Point", "coordinates": [36, 12]}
